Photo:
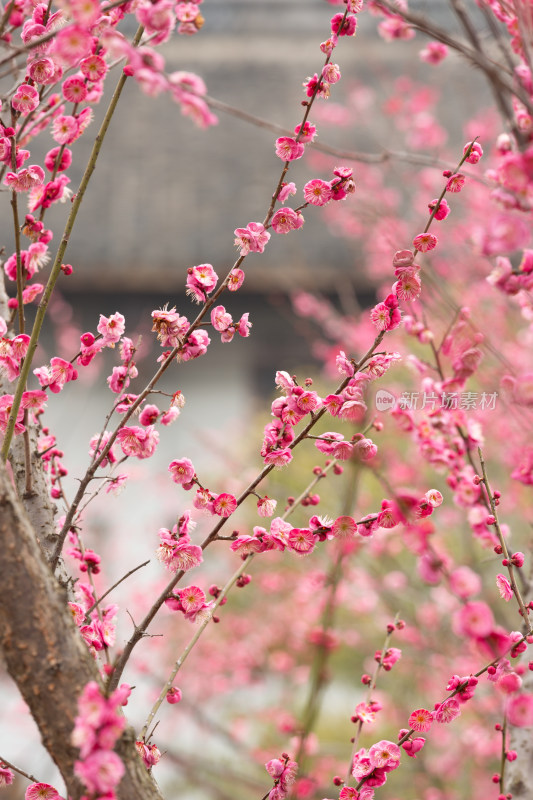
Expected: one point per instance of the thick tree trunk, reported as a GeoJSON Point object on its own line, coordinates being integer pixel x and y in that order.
{"type": "Point", "coordinates": [44, 652]}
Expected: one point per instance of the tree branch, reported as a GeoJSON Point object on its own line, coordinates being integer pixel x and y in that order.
{"type": "Point", "coordinates": [44, 652]}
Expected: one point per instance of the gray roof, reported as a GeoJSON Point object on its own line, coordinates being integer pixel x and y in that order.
{"type": "Point", "coordinates": [166, 195]}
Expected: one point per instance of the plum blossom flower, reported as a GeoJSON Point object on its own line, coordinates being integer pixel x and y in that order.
{"type": "Point", "coordinates": [266, 506]}
{"type": "Point", "coordinates": [177, 553]}
{"type": "Point", "coordinates": [251, 239]}
{"type": "Point", "coordinates": [394, 27]}
{"type": "Point", "coordinates": [343, 27]}
{"type": "Point", "coordinates": [286, 190]}
{"type": "Point", "coordinates": [301, 541]}
{"type": "Point", "coordinates": [283, 771]}
{"type": "Point", "coordinates": [57, 375]}
{"type": "Point", "coordinates": [169, 326]}
{"type": "Point", "coordinates": [41, 791]}
{"type": "Point", "coordinates": [409, 286]}
{"type": "Point", "coordinates": [74, 89]}
{"type": "Point", "coordinates": [201, 280]}
{"type": "Point", "coordinates": [101, 771]}
{"type": "Point", "coordinates": [317, 192]}
{"type": "Point", "coordinates": [71, 44]}
{"type": "Point", "coordinates": [386, 316]}
{"type": "Point", "coordinates": [465, 685]}
{"type": "Point", "coordinates": [149, 753]}
{"type": "Point", "coordinates": [424, 242]}
{"type": "Point", "coordinates": [448, 711]}
{"type": "Point", "coordinates": [365, 449]}
{"type": "Point", "coordinates": [182, 471]}
{"type": "Point", "coordinates": [365, 713]}
{"type": "Point", "coordinates": [195, 346]}
{"type": "Point", "coordinates": [331, 73]}
{"type": "Point", "coordinates": [344, 527]}
{"type": "Point", "coordinates": [433, 53]}
{"type": "Point", "coordinates": [6, 776]}
{"type": "Point", "coordinates": [520, 710]}
{"type": "Point", "coordinates": [25, 179]}
{"type": "Point", "coordinates": [111, 328]}
{"type": "Point", "coordinates": [224, 504]}
{"type": "Point", "coordinates": [475, 153]}
{"type": "Point", "coordinates": [43, 70]}
{"type": "Point", "coordinates": [389, 658]}
{"type": "Point", "coordinates": [455, 183]}
{"type": "Point", "coordinates": [94, 68]}
{"type": "Point", "coordinates": [236, 279]}
{"type": "Point", "coordinates": [443, 209]}
{"type": "Point", "coordinates": [289, 149]}
{"type": "Point", "coordinates": [464, 582]}
{"type": "Point", "coordinates": [174, 695]}
{"type": "Point", "coordinates": [279, 458]}
{"type": "Point", "coordinates": [26, 99]}
{"type": "Point", "coordinates": [286, 219]}
{"type": "Point", "coordinates": [421, 720]}
{"type": "Point", "coordinates": [137, 441]}
{"type": "Point", "coordinates": [307, 133]}
{"type": "Point", "coordinates": [412, 746]}
{"type": "Point", "coordinates": [384, 754]}
{"type": "Point", "coordinates": [311, 84]}
{"type": "Point", "coordinates": [474, 619]}
{"type": "Point", "coordinates": [65, 129]}
{"type": "Point", "coordinates": [504, 587]}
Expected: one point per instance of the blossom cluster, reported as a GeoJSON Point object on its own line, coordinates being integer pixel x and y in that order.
{"type": "Point", "coordinates": [97, 626]}
{"type": "Point", "coordinates": [176, 551]}
{"type": "Point", "coordinates": [96, 729]}
{"type": "Point", "coordinates": [386, 315]}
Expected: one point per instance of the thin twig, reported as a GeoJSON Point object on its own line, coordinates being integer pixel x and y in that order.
{"type": "Point", "coordinates": [127, 575]}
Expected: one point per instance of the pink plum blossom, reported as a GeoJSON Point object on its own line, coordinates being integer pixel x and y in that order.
{"type": "Point", "coordinates": [343, 27]}
{"type": "Point", "coordinates": [476, 152]}
{"type": "Point", "coordinates": [433, 53]}
{"type": "Point", "coordinates": [41, 791]}
{"type": "Point", "coordinates": [182, 471]}
{"type": "Point", "coordinates": [201, 280]}
{"type": "Point", "coordinates": [224, 505]}
{"type": "Point", "coordinates": [520, 711]}
{"type": "Point", "coordinates": [287, 189]}
{"type": "Point", "coordinates": [317, 192]}
{"type": "Point", "coordinates": [456, 182]}
{"type": "Point", "coordinates": [137, 441]}
{"type": "Point", "coordinates": [447, 711]}
{"type": "Point", "coordinates": [474, 619]}
{"type": "Point", "coordinates": [289, 149]}
{"type": "Point", "coordinates": [504, 587]}
{"type": "Point", "coordinates": [236, 279]}
{"type": "Point", "coordinates": [266, 506]}
{"type": "Point", "coordinates": [173, 695]}
{"type": "Point", "coordinates": [425, 242]}
{"type": "Point", "coordinates": [286, 220]}
{"type": "Point", "coordinates": [111, 328]}
{"type": "Point", "coordinates": [25, 179]}
{"type": "Point", "coordinates": [26, 99]}
{"type": "Point", "coordinates": [464, 582]}
{"type": "Point", "coordinates": [6, 776]}
{"type": "Point", "coordinates": [101, 771]}
{"type": "Point", "coordinates": [384, 754]}
{"type": "Point", "coordinates": [251, 239]}
{"type": "Point", "coordinates": [421, 720]}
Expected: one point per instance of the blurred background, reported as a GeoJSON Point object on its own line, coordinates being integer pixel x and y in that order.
{"type": "Point", "coordinates": [166, 196]}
